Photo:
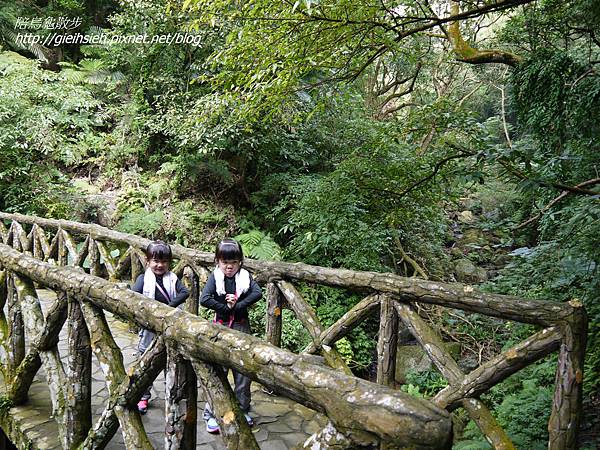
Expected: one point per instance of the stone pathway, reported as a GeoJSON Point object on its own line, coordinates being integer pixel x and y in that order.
{"type": "Point", "coordinates": [280, 423]}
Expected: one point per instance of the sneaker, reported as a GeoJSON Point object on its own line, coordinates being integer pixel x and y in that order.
{"type": "Point", "coordinates": [212, 426]}
{"type": "Point", "coordinates": [142, 406]}
{"type": "Point", "coordinates": [249, 420]}
{"type": "Point", "coordinates": [267, 391]}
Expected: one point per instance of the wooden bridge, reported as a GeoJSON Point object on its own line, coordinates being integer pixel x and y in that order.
{"type": "Point", "coordinates": [41, 253]}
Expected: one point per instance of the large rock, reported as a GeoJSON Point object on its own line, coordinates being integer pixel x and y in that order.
{"type": "Point", "coordinates": [466, 217]}
{"type": "Point", "coordinates": [467, 272]}
{"type": "Point", "coordinates": [472, 236]}
{"type": "Point", "coordinates": [412, 358]}
{"type": "Point", "coordinates": [98, 206]}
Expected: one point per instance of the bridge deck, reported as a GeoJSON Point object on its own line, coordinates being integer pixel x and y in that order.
{"type": "Point", "coordinates": [279, 422]}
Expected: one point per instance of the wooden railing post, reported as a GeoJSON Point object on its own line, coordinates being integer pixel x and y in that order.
{"type": "Point", "coordinates": [37, 245]}
{"type": "Point", "coordinates": [387, 342]}
{"type": "Point", "coordinates": [46, 340]}
{"type": "Point", "coordinates": [44, 242]}
{"type": "Point", "coordinates": [109, 262]}
{"type": "Point", "coordinates": [63, 255]}
{"type": "Point", "coordinates": [3, 232]}
{"type": "Point", "coordinates": [34, 321]}
{"type": "Point", "coordinates": [191, 414]}
{"type": "Point", "coordinates": [16, 329]}
{"type": "Point", "coordinates": [174, 399]}
{"type": "Point", "coordinates": [111, 362]}
{"type": "Point", "coordinates": [274, 315]}
{"type": "Point", "coordinates": [136, 265]}
{"type": "Point", "coordinates": [3, 298]}
{"type": "Point", "coordinates": [181, 396]}
{"type": "Point", "coordinates": [564, 420]}
{"type": "Point", "coordinates": [79, 374]}
{"type": "Point", "coordinates": [235, 431]}
{"type": "Point", "coordinates": [94, 256]}
{"type": "Point", "coordinates": [21, 241]}
{"type": "Point", "coordinates": [3, 323]}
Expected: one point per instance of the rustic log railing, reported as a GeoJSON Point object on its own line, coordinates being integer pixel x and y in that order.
{"type": "Point", "coordinates": [360, 412]}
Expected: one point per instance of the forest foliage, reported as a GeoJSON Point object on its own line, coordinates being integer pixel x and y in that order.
{"type": "Point", "coordinates": [344, 134]}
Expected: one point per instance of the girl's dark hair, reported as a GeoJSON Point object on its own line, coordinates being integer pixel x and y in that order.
{"type": "Point", "coordinates": [159, 250]}
{"type": "Point", "coordinates": [229, 249]}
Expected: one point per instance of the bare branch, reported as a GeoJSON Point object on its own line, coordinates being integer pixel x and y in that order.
{"type": "Point", "coordinates": [562, 195]}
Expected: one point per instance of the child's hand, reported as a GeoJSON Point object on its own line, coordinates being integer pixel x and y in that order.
{"type": "Point", "coordinates": [230, 299]}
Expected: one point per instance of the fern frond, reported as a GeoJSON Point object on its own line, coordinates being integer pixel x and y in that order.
{"type": "Point", "coordinates": [10, 38]}
{"type": "Point", "coordinates": [259, 245]}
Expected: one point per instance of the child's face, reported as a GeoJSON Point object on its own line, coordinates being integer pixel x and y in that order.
{"type": "Point", "coordinates": [158, 266]}
{"type": "Point", "coordinates": [229, 267]}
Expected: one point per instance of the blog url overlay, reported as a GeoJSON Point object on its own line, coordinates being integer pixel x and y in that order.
{"type": "Point", "coordinates": [57, 39]}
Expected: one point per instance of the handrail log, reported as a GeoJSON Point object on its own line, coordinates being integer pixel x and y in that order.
{"type": "Point", "coordinates": [350, 403]}
{"type": "Point", "coordinates": [451, 295]}
{"type": "Point", "coordinates": [500, 367]}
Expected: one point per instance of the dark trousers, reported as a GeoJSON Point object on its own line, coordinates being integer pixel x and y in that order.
{"type": "Point", "coordinates": [241, 382]}
{"type": "Point", "coordinates": [146, 338]}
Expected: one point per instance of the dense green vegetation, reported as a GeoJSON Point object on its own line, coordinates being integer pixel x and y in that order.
{"type": "Point", "coordinates": [345, 135]}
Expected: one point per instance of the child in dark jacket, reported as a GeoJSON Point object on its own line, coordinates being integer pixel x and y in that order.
{"type": "Point", "coordinates": [158, 283]}
{"type": "Point", "coordinates": [229, 291]}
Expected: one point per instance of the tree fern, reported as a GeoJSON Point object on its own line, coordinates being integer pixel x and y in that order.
{"type": "Point", "coordinates": [91, 71]}
{"type": "Point", "coordinates": [8, 38]}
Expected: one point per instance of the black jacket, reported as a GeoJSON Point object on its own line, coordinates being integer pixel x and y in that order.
{"type": "Point", "coordinates": [180, 289]}
{"type": "Point", "coordinates": [211, 300]}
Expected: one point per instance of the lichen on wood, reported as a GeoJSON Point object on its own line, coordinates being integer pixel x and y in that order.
{"type": "Point", "coordinates": [34, 322]}
{"type": "Point", "coordinates": [47, 339]}
{"type": "Point", "coordinates": [78, 404]}
{"type": "Point", "coordinates": [345, 323]}
{"type": "Point", "coordinates": [233, 427]}
{"type": "Point", "coordinates": [110, 360]}
{"type": "Point", "coordinates": [307, 315]}
{"type": "Point", "coordinates": [387, 342]}
{"type": "Point", "coordinates": [436, 350]}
